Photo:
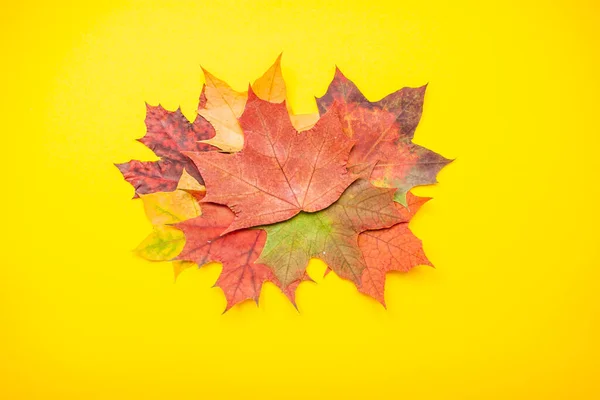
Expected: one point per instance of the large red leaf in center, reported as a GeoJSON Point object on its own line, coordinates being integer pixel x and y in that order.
{"type": "Point", "coordinates": [280, 171]}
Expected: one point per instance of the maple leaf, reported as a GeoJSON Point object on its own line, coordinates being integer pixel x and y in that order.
{"type": "Point", "coordinates": [390, 249]}
{"type": "Point", "coordinates": [241, 278]}
{"type": "Point", "coordinates": [223, 106]}
{"type": "Point", "coordinates": [271, 86]}
{"type": "Point", "coordinates": [383, 131]}
{"type": "Point", "coordinates": [280, 171]}
{"type": "Point", "coordinates": [163, 208]}
{"type": "Point", "coordinates": [163, 244]}
{"type": "Point", "coordinates": [330, 235]}
{"type": "Point", "coordinates": [168, 134]}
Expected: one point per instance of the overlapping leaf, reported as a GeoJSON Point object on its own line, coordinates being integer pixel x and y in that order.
{"type": "Point", "coordinates": [330, 235]}
{"type": "Point", "coordinates": [222, 108]}
{"type": "Point", "coordinates": [162, 209]}
{"type": "Point", "coordinates": [168, 134]}
{"type": "Point", "coordinates": [241, 278]}
{"type": "Point", "coordinates": [223, 105]}
{"type": "Point", "coordinates": [390, 249]}
{"type": "Point", "coordinates": [383, 131]}
{"type": "Point", "coordinates": [271, 86]}
{"type": "Point", "coordinates": [279, 172]}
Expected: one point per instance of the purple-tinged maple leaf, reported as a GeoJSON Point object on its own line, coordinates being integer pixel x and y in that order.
{"type": "Point", "coordinates": [383, 131]}
{"type": "Point", "coordinates": [168, 133]}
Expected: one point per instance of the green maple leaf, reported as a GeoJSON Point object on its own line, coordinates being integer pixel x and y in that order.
{"type": "Point", "coordinates": [330, 235]}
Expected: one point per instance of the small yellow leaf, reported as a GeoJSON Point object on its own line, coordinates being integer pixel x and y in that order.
{"type": "Point", "coordinates": [271, 86]}
{"type": "Point", "coordinates": [170, 207]}
{"type": "Point", "coordinates": [189, 184]}
{"type": "Point", "coordinates": [223, 108]}
{"type": "Point", "coordinates": [163, 244]}
{"type": "Point", "coordinates": [303, 122]}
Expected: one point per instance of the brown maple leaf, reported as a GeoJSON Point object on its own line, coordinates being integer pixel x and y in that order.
{"type": "Point", "coordinates": [168, 134]}
{"type": "Point", "coordinates": [390, 249]}
{"type": "Point", "coordinates": [280, 171]}
{"type": "Point", "coordinates": [383, 131]}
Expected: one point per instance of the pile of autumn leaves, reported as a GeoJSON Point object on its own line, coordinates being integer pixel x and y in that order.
{"type": "Point", "coordinates": [262, 191]}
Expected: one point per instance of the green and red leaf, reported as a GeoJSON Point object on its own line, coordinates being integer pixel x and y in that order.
{"type": "Point", "coordinates": [330, 235]}
{"type": "Point", "coordinates": [241, 277]}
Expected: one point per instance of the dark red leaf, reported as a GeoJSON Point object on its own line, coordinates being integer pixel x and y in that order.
{"type": "Point", "coordinates": [168, 134]}
{"type": "Point", "coordinates": [383, 131]}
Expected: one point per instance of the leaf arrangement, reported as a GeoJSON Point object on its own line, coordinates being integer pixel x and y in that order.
{"type": "Point", "coordinates": [262, 191]}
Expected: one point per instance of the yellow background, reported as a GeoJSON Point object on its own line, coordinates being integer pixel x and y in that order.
{"type": "Point", "coordinates": [511, 311]}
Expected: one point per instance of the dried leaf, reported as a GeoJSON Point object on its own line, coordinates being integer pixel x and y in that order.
{"type": "Point", "coordinates": [163, 208]}
{"type": "Point", "coordinates": [222, 108]}
{"type": "Point", "coordinates": [241, 278]}
{"type": "Point", "coordinates": [280, 172]}
{"type": "Point", "coordinates": [189, 184]}
{"type": "Point", "coordinates": [168, 134]}
{"type": "Point", "coordinates": [383, 131]}
{"type": "Point", "coordinates": [170, 207]}
{"type": "Point", "coordinates": [271, 86]}
{"type": "Point", "coordinates": [391, 249]}
{"type": "Point", "coordinates": [163, 244]}
{"type": "Point", "coordinates": [330, 235]}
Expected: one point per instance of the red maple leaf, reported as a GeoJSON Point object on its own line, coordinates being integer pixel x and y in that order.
{"type": "Point", "coordinates": [279, 172]}
{"type": "Point", "coordinates": [241, 278]}
{"type": "Point", "coordinates": [383, 131]}
{"type": "Point", "coordinates": [390, 249]}
{"type": "Point", "coordinates": [168, 134]}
